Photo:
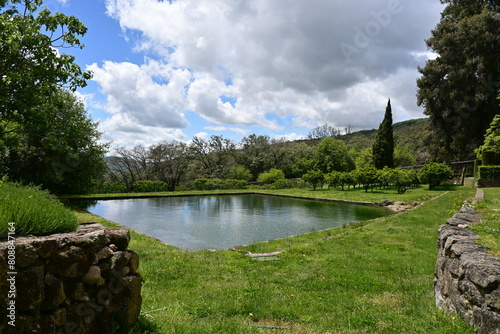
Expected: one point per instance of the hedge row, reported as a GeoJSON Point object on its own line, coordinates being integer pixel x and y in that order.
{"type": "Point", "coordinates": [489, 172]}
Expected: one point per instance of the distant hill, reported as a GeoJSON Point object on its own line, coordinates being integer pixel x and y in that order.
{"type": "Point", "coordinates": [407, 133]}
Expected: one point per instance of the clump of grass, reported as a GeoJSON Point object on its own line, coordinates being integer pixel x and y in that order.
{"type": "Point", "coordinates": [30, 210]}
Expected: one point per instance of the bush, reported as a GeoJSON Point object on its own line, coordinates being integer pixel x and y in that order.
{"type": "Point", "coordinates": [488, 158]}
{"type": "Point", "coordinates": [434, 173]}
{"type": "Point", "coordinates": [30, 210]}
{"type": "Point", "coordinates": [149, 186]}
{"type": "Point", "coordinates": [114, 188]}
{"type": "Point", "coordinates": [271, 176]}
{"type": "Point", "coordinates": [282, 184]}
{"type": "Point", "coordinates": [489, 172]}
{"type": "Point", "coordinates": [218, 184]}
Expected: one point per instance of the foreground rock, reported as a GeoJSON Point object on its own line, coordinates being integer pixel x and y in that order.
{"type": "Point", "coordinates": [80, 282]}
{"type": "Point", "coordinates": [467, 278]}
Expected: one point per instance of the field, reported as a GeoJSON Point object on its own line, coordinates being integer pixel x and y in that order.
{"type": "Point", "coordinates": [371, 277]}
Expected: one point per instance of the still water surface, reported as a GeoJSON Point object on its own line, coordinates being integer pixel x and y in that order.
{"type": "Point", "coordinates": [221, 222]}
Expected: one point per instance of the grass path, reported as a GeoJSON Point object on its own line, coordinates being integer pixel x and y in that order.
{"type": "Point", "coordinates": [374, 277]}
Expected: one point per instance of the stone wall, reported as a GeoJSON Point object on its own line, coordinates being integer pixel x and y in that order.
{"type": "Point", "coordinates": [467, 278]}
{"type": "Point", "coordinates": [487, 183]}
{"type": "Point", "coordinates": [80, 282]}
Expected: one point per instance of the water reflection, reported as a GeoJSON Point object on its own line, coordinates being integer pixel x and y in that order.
{"type": "Point", "coordinates": [221, 222]}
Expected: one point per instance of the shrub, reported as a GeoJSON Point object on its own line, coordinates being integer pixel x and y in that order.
{"type": "Point", "coordinates": [147, 186]}
{"type": "Point", "coordinates": [315, 178]}
{"type": "Point", "coordinates": [434, 173]}
{"type": "Point", "coordinates": [114, 188]}
{"type": "Point", "coordinates": [271, 176]}
{"type": "Point", "coordinates": [282, 184]}
{"type": "Point", "coordinates": [235, 184]}
{"type": "Point", "coordinates": [31, 210]}
{"type": "Point", "coordinates": [488, 158]}
{"type": "Point", "coordinates": [199, 184]}
{"type": "Point", "coordinates": [218, 184]}
{"type": "Point", "coordinates": [489, 172]}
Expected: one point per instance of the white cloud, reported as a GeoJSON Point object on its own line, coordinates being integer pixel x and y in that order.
{"type": "Point", "coordinates": [152, 94]}
{"type": "Point", "coordinates": [239, 131]}
{"type": "Point", "coordinates": [255, 63]}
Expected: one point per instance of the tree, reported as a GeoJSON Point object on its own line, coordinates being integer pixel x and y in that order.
{"type": "Point", "coordinates": [254, 154]}
{"type": "Point", "coordinates": [239, 172]}
{"type": "Point", "coordinates": [400, 178]}
{"type": "Point", "coordinates": [368, 177]}
{"type": "Point", "coordinates": [403, 157]}
{"type": "Point", "coordinates": [57, 146]}
{"type": "Point", "coordinates": [31, 67]}
{"type": "Point", "coordinates": [315, 178]}
{"type": "Point", "coordinates": [215, 155]}
{"type": "Point", "coordinates": [168, 162]}
{"type": "Point", "coordinates": [492, 137]}
{"type": "Point", "coordinates": [434, 173]}
{"type": "Point", "coordinates": [365, 158]}
{"type": "Point", "coordinates": [458, 88]}
{"type": "Point", "coordinates": [383, 146]}
{"type": "Point", "coordinates": [324, 131]}
{"type": "Point", "coordinates": [332, 154]}
{"type": "Point", "coordinates": [129, 165]}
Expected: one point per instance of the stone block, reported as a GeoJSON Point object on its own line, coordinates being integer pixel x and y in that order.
{"type": "Point", "coordinates": [486, 321]}
{"type": "Point", "coordinates": [119, 237]}
{"type": "Point", "coordinates": [30, 289]}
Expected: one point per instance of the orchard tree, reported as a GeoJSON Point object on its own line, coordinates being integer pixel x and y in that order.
{"type": "Point", "coordinates": [458, 88]}
{"type": "Point", "coordinates": [383, 146]}
{"type": "Point", "coordinates": [368, 177]}
{"type": "Point", "coordinates": [315, 178]}
{"type": "Point", "coordinates": [434, 173]}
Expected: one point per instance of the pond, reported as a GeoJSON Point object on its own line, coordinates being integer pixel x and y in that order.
{"type": "Point", "coordinates": [224, 221]}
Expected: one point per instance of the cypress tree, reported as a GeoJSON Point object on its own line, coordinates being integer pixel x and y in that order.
{"type": "Point", "coordinates": [383, 147]}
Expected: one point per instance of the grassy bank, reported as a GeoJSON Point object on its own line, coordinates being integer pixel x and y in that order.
{"type": "Point", "coordinates": [376, 277]}
{"type": "Point", "coordinates": [28, 210]}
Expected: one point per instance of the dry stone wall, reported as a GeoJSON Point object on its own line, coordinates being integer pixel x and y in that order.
{"type": "Point", "coordinates": [80, 282]}
{"type": "Point", "coordinates": [467, 278]}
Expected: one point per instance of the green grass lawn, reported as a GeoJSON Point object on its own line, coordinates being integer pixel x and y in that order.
{"type": "Point", "coordinates": [372, 277]}
{"type": "Point", "coordinates": [489, 229]}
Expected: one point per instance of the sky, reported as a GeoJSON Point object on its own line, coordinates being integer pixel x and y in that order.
{"type": "Point", "coordinates": [174, 69]}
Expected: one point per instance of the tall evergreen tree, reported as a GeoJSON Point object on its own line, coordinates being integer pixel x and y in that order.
{"type": "Point", "coordinates": [383, 147]}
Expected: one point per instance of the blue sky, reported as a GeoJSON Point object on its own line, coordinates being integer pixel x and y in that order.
{"type": "Point", "coordinates": [171, 70]}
